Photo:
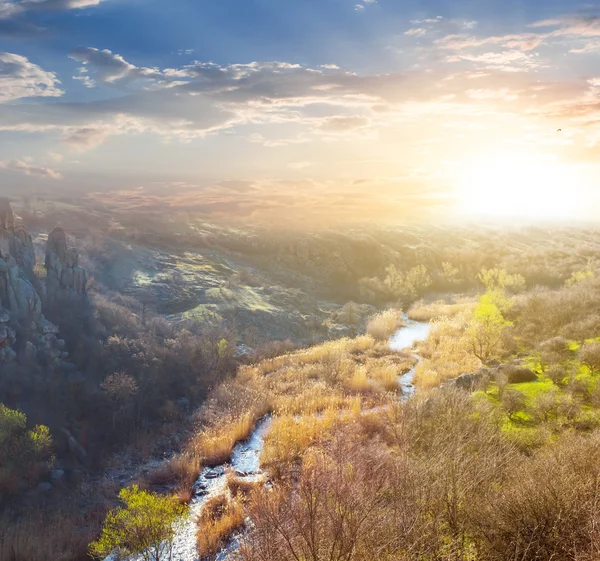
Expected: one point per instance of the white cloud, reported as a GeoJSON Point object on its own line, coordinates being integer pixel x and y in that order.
{"type": "Point", "coordinates": [27, 168]}
{"type": "Point", "coordinates": [20, 78]}
{"type": "Point", "coordinates": [364, 4]}
{"type": "Point", "coordinates": [416, 32]}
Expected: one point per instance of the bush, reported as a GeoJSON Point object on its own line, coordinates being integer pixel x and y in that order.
{"type": "Point", "coordinates": [589, 355]}
{"type": "Point", "coordinates": [220, 518]}
{"type": "Point", "coordinates": [558, 374]}
{"type": "Point", "coordinates": [382, 326]}
{"type": "Point", "coordinates": [146, 526]}
{"type": "Point", "coordinates": [553, 516]}
{"type": "Point", "coordinates": [24, 453]}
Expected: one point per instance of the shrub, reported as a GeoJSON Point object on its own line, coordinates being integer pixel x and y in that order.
{"type": "Point", "coordinates": [558, 374]}
{"type": "Point", "coordinates": [382, 326]}
{"type": "Point", "coordinates": [589, 355]}
{"type": "Point", "coordinates": [219, 519]}
{"type": "Point", "coordinates": [513, 402]}
{"type": "Point", "coordinates": [24, 453]}
{"type": "Point", "coordinates": [553, 516]}
{"type": "Point", "coordinates": [145, 526]}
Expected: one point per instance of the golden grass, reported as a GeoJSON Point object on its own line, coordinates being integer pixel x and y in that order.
{"type": "Point", "coordinates": [323, 380]}
{"type": "Point", "coordinates": [429, 311]}
{"type": "Point", "coordinates": [446, 353]}
{"type": "Point", "coordinates": [290, 436]}
{"type": "Point", "coordinates": [213, 446]}
{"type": "Point", "coordinates": [239, 487]}
{"type": "Point", "coordinates": [182, 470]}
{"type": "Point", "coordinates": [382, 326]}
{"type": "Point", "coordinates": [220, 518]}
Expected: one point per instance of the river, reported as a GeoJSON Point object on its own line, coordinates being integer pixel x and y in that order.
{"type": "Point", "coordinates": [245, 459]}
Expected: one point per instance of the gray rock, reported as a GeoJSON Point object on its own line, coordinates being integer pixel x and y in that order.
{"type": "Point", "coordinates": [44, 487]}
{"type": "Point", "coordinates": [183, 403]}
{"type": "Point", "coordinates": [56, 475]}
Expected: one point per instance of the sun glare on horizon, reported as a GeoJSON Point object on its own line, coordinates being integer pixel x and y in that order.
{"type": "Point", "coordinates": [519, 186]}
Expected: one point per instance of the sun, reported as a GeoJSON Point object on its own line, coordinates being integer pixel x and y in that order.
{"type": "Point", "coordinates": [518, 186]}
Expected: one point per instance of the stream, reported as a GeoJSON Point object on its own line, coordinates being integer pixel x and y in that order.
{"type": "Point", "coordinates": [245, 459]}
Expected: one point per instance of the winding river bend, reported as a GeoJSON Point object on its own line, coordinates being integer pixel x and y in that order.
{"type": "Point", "coordinates": [245, 459]}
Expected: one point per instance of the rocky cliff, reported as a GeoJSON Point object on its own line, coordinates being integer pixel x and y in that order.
{"type": "Point", "coordinates": [25, 333]}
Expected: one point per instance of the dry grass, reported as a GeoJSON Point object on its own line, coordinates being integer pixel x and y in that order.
{"type": "Point", "coordinates": [446, 353]}
{"type": "Point", "coordinates": [290, 436]}
{"type": "Point", "coordinates": [323, 380]}
{"type": "Point", "coordinates": [213, 446]}
{"type": "Point", "coordinates": [42, 538]}
{"type": "Point", "coordinates": [220, 518]}
{"type": "Point", "coordinates": [182, 470]}
{"type": "Point", "coordinates": [239, 487]}
{"type": "Point", "coordinates": [430, 311]}
{"type": "Point", "coordinates": [382, 326]}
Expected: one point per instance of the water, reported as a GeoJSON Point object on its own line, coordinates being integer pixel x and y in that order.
{"type": "Point", "coordinates": [406, 338]}
{"type": "Point", "coordinates": [245, 458]}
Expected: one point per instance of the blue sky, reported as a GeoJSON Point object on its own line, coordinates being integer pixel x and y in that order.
{"type": "Point", "coordinates": [396, 98]}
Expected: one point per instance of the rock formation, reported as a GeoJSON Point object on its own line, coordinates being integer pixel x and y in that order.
{"type": "Point", "coordinates": [65, 276]}
{"type": "Point", "coordinates": [21, 305]}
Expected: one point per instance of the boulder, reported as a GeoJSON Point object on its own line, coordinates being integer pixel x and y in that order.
{"type": "Point", "coordinates": [56, 475]}
{"type": "Point", "coordinates": [520, 375]}
{"type": "Point", "coordinates": [472, 380]}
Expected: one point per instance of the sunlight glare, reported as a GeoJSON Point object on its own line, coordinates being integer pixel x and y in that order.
{"type": "Point", "coordinates": [519, 186]}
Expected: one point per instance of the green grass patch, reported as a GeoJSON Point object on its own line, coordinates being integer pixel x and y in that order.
{"type": "Point", "coordinates": [531, 390]}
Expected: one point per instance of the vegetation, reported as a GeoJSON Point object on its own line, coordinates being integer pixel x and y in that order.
{"type": "Point", "coordinates": [220, 517]}
{"type": "Point", "coordinates": [527, 300]}
{"type": "Point", "coordinates": [145, 526]}
{"type": "Point", "coordinates": [382, 326]}
{"type": "Point", "coordinates": [24, 453]}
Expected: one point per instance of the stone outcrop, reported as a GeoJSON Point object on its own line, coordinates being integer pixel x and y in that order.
{"type": "Point", "coordinates": [21, 305]}
{"type": "Point", "coordinates": [66, 278]}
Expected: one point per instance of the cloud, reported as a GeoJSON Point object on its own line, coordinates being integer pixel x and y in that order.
{"type": "Point", "coordinates": [19, 18]}
{"type": "Point", "coordinates": [343, 124]}
{"type": "Point", "coordinates": [364, 4]}
{"type": "Point", "coordinates": [30, 169]}
{"type": "Point", "coordinates": [20, 78]}
{"type": "Point", "coordinates": [109, 67]}
{"type": "Point", "coordinates": [509, 61]}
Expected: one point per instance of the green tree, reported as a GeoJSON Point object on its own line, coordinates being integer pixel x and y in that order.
{"type": "Point", "coordinates": [450, 273]}
{"type": "Point", "coordinates": [24, 453]}
{"type": "Point", "coordinates": [487, 328]}
{"type": "Point", "coordinates": [499, 279]}
{"type": "Point", "coordinates": [145, 526]}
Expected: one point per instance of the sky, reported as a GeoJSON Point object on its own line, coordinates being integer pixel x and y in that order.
{"type": "Point", "coordinates": [475, 108]}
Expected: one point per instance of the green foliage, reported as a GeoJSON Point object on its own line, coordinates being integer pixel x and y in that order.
{"type": "Point", "coordinates": [222, 348]}
{"type": "Point", "coordinates": [450, 273]}
{"type": "Point", "coordinates": [23, 453]}
{"type": "Point", "coordinates": [487, 327]}
{"type": "Point", "coordinates": [145, 526]}
{"type": "Point", "coordinates": [499, 279]}
{"type": "Point", "coordinates": [400, 286]}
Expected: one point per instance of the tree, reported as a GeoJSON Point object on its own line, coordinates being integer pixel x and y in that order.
{"type": "Point", "coordinates": [499, 279]}
{"type": "Point", "coordinates": [450, 273]}
{"type": "Point", "coordinates": [120, 388]}
{"type": "Point", "coordinates": [487, 328]}
{"type": "Point", "coordinates": [589, 355]}
{"type": "Point", "coordinates": [24, 453]}
{"type": "Point", "coordinates": [146, 526]}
